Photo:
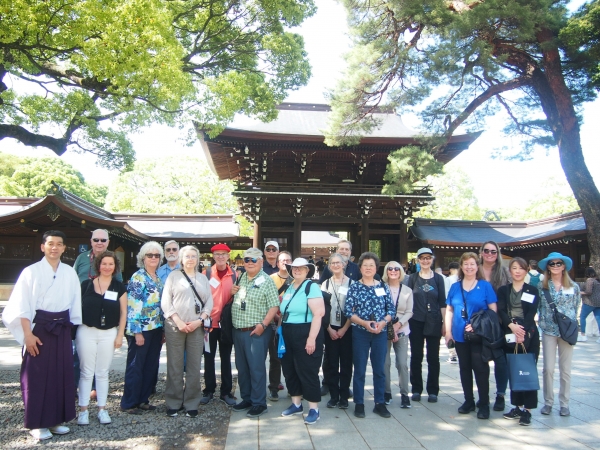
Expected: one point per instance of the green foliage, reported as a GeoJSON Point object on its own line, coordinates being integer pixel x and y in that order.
{"type": "Point", "coordinates": [82, 75]}
{"type": "Point", "coordinates": [32, 177]}
{"type": "Point", "coordinates": [454, 62]}
{"type": "Point", "coordinates": [454, 197]}
{"type": "Point", "coordinates": [407, 166]}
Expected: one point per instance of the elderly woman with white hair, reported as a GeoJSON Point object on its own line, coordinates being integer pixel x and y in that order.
{"type": "Point", "coordinates": [186, 303]}
{"type": "Point", "coordinates": [144, 330]}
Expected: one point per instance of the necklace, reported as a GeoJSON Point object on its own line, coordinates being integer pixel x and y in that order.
{"type": "Point", "coordinates": [100, 286]}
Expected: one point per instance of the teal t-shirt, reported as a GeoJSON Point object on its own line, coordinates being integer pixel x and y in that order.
{"type": "Point", "coordinates": [299, 303]}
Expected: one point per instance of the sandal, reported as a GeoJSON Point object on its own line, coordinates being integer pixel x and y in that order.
{"type": "Point", "coordinates": [146, 407]}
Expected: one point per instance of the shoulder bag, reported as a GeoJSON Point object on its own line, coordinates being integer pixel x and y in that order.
{"type": "Point", "coordinates": [567, 327]}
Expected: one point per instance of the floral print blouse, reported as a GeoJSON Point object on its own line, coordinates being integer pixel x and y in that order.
{"type": "Point", "coordinates": [143, 303]}
{"type": "Point", "coordinates": [567, 302]}
{"type": "Point", "coordinates": [369, 302]}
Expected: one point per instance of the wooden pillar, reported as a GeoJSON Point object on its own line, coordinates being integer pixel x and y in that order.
{"type": "Point", "coordinates": [364, 235]}
{"type": "Point", "coordinates": [403, 250]}
{"type": "Point", "coordinates": [256, 240]}
{"type": "Point", "coordinates": [297, 238]}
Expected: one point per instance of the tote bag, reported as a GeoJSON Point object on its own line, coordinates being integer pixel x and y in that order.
{"type": "Point", "coordinates": [522, 372]}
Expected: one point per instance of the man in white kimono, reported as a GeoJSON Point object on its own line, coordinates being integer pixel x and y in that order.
{"type": "Point", "coordinates": [43, 307]}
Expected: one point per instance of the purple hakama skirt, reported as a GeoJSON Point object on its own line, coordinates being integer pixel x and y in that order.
{"type": "Point", "coordinates": [47, 380]}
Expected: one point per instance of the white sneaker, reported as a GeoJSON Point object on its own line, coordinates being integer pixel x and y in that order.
{"type": "Point", "coordinates": [59, 429]}
{"type": "Point", "coordinates": [453, 360]}
{"type": "Point", "coordinates": [581, 338]}
{"type": "Point", "coordinates": [103, 417]}
{"type": "Point", "coordinates": [83, 418]}
{"type": "Point", "coordinates": [41, 433]}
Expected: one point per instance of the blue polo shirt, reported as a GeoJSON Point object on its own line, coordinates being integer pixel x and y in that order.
{"type": "Point", "coordinates": [476, 299]}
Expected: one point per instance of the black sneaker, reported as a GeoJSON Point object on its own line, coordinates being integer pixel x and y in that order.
{"type": "Point", "coordinates": [359, 411]}
{"type": "Point", "coordinates": [416, 397]}
{"type": "Point", "coordinates": [206, 398]}
{"type": "Point", "coordinates": [256, 411]}
{"type": "Point", "coordinates": [242, 406]}
{"type": "Point", "coordinates": [274, 396]}
{"type": "Point", "coordinates": [405, 402]}
{"type": "Point", "coordinates": [192, 413]}
{"type": "Point", "coordinates": [172, 412]}
{"type": "Point", "coordinates": [381, 410]}
{"type": "Point", "coordinates": [466, 407]}
{"type": "Point", "coordinates": [514, 413]}
{"type": "Point", "coordinates": [332, 403]}
{"type": "Point", "coordinates": [483, 412]}
{"type": "Point", "coordinates": [387, 397]}
{"type": "Point", "coordinates": [432, 398]}
{"type": "Point", "coordinates": [525, 419]}
{"type": "Point", "coordinates": [343, 404]}
{"type": "Point", "coordinates": [499, 404]}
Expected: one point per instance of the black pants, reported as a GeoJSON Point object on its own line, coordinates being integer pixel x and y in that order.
{"type": "Point", "coordinates": [274, 364]}
{"type": "Point", "coordinates": [301, 370]}
{"type": "Point", "coordinates": [210, 378]}
{"type": "Point", "coordinates": [417, 343]}
{"type": "Point", "coordinates": [528, 399]}
{"type": "Point", "coordinates": [339, 355]}
{"type": "Point", "coordinates": [469, 363]}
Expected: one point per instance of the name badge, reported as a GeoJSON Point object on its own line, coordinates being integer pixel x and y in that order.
{"type": "Point", "coordinates": [569, 291]}
{"type": "Point", "coordinates": [242, 293]}
{"type": "Point", "coordinates": [287, 297]}
{"type": "Point", "coordinates": [343, 290]}
{"type": "Point", "coordinates": [527, 297]}
{"type": "Point", "coordinates": [260, 280]}
{"type": "Point", "coordinates": [214, 283]}
{"type": "Point", "coordinates": [111, 295]}
{"type": "Point", "coordinates": [380, 292]}
{"type": "Point", "coordinates": [184, 283]}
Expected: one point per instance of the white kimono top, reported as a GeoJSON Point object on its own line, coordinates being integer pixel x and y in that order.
{"type": "Point", "coordinates": [39, 287]}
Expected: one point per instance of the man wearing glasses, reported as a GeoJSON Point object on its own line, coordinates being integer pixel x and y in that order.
{"type": "Point", "coordinates": [221, 279]}
{"type": "Point", "coordinates": [172, 257]}
{"type": "Point", "coordinates": [255, 304]}
{"type": "Point", "coordinates": [84, 264]}
{"type": "Point", "coordinates": [271, 255]}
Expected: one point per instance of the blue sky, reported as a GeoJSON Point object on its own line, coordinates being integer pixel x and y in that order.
{"type": "Point", "coordinates": [326, 41]}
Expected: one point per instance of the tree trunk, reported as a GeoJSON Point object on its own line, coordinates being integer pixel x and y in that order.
{"type": "Point", "coordinates": [557, 104]}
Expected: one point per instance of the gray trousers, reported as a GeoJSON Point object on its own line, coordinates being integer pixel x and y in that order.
{"type": "Point", "coordinates": [565, 359]}
{"type": "Point", "coordinates": [250, 356]}
{"type": "Point", "coordinates": [401, 352]}
{"type": "Point", "coordinates": [192, 345]}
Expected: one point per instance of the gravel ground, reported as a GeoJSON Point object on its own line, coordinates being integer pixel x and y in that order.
{"type": "Point", "coordinates": [152, 430]}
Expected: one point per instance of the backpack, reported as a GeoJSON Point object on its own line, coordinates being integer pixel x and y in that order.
{"type": "Point", "coordinates": [534, 280]}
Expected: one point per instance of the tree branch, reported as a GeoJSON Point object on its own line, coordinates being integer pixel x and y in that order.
{"type": "Point", "coordinates": [57, 145]}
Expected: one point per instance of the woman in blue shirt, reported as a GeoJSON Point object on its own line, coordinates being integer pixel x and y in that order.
{"type": "Point", "coordinates": [301, 328]}
{"type": "Point", "coordinates": [470, 295]}
{"type": "Point", "coordinates": [370, 309]}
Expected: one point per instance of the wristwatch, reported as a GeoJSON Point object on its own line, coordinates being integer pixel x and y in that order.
{"type": "Point", "coordinates": [263, 325]}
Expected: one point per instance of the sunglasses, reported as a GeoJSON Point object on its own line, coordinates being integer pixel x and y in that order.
{"type": "Point", "coordinates": [270, 250]}
{"type": "Point", "coordinates": [153, 255]}
{"type": "Point", "coordinates": [487, 251]}
{"type": "Point", "coordinates": [171, 249]}
{"type": "Point", "coordinates": [248, 259]}
{"type": "Point", "coordinates": [393, 269]}
{"type": "Point", "coordinates": [99, 240]}
{"type": "Point", "coordinates": [555, 264]}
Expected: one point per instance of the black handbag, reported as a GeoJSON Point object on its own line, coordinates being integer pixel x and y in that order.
{"type": "Point", "coordinates": [567, 327]}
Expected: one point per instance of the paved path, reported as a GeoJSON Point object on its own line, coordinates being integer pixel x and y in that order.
{"type": "Point", "coordinates": [433, 425]}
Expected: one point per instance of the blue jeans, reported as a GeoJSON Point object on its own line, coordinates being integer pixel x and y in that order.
{"type": "Point", "coordinates": [142, 368]}
{"type": "Point", "coordinates": [501, 374]}
{"type": "Point", "coordinates": [250, 356]}
{"type": "Point", "coordinates": [362, 343]}
{"type": "Point", "coordinates": [585, 311]}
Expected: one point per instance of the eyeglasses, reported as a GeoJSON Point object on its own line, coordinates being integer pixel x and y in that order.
{"type": "Point", "coordinates": [99, 240]}
{"type": "Point", "coordinates": [220, 255]}
{"type": "Point", "coordinates": [171, 249]}
{"type": "Point", "coordinates": [152, 255]}
{"type": "Point", "coordinates": [425, 258]}
{"type": "Point", "coordinates": [336, 263]}
{"type": "Point", "coordinates": [190, 257]}
{"type": "Point", "coordinates": [285, 261]}
{"type": "Point", "coordinates": [270, 250]}
{"type": "Point", "coordinates": [248, 260]}
{"type": "Point", "coordinates": [555, 264]}
{"type": "Point", "coordinates": [393, 269]}
{"type": "Point", "coordinates": [487, 251]}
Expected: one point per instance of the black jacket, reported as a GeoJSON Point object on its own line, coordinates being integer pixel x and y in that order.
{"type": "Point", "coordinates": [352, 271]}
{"type": "Point", "coordinates": [486, 324]}
{"type": "Point", "coordinates": [529, 309]}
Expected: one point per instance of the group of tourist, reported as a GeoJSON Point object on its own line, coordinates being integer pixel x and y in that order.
{"type": "Point", "coordinates": [274, 307]}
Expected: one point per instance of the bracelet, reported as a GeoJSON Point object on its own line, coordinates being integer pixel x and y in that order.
{"type": "Point", "coordinates": [263, 325]}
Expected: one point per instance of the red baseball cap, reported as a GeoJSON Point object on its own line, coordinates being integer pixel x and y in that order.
{"type": "Point", "coordinates": [220, 247]}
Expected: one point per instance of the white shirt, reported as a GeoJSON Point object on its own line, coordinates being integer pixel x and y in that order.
{"type": "Point", "coordinates": [39, 287]}
{"type": "Point", "coordinates": [449, 281]}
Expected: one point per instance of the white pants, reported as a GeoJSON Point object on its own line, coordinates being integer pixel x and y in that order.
{"type": "Point", "coordinates": [565, 358]}
{"type": "Point", "coordinates": [95, 349]}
